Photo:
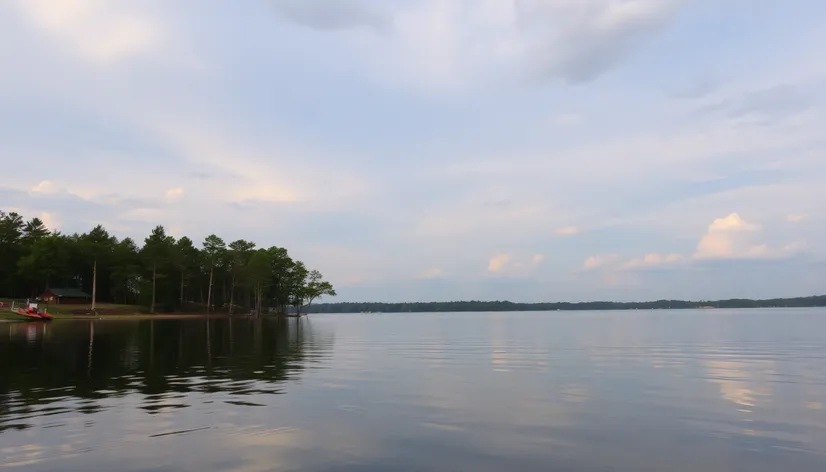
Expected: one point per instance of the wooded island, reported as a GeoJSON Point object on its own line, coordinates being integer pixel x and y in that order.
{"type": "Point", "coordinates": [164, 275]}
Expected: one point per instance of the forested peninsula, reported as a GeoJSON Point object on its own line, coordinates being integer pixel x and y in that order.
{"type": "Point", "coordinates": [163, 275]}
{"type": "Point", "coordinates": [482, 306]}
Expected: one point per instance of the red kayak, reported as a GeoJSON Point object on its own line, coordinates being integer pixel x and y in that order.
{"type": "Point", "coordinates": [33, 314]}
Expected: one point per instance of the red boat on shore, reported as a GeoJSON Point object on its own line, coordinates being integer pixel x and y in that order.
{"type": "Point", "coordinates": [31, 312]}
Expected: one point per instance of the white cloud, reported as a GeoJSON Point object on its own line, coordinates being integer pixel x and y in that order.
{"type": "Point", "coordinates": [596, 261]}
{"type": "Point", "coordinates": [498, 262]}
{"type": "Point", "coordinates": [510, 265]}
{"type": "Point", "coordinates": [506, 182]}
{"type": "Point", "coordinates": [733, 238]}
{"type": "Point", "coordinates": [439, 44]}
{"type": "Point", "coordinates": [352, 281]}
{"type": "Point", "coordinates": [326, 15]}
{"type": "Point", "coordinates": [45, 187]}
{"type": "Point", "coordinates": [50, 220]}
{"type": "Point", "coordinates": [728, 238]}
{"type": "Point", "coordinates": [100, 30]}
{"type": "Point", "coordinates": [146, 215]}
{"type": "Point", "coordinates": [174, 194]}
{"type": "Point", "coordinates": [568, 231]}
{"type": "Point", "coordinates": [434, 273]}
{"type": "Point", "coordinates": [653, 260]}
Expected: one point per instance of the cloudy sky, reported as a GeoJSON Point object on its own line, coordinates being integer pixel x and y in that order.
{"type": "Point", "coordinates": [437, 149]}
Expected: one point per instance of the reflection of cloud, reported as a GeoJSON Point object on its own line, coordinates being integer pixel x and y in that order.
{"type": "Point", "coordinates": [741, 383]}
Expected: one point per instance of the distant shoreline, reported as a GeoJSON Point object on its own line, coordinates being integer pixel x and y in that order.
{"type": "Point", "coordinates": [489, 306]}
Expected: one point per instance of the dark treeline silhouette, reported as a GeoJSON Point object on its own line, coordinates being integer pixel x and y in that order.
{"type": "Point", "coordinates": [482, 306]}
{"type": "Point", "coordinates": [164, 274]}
{"type": "Point", "coordinates": [99, 359]}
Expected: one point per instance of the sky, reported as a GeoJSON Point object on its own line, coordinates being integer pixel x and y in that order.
{"type": "Point", "coordinates": [416, 150]}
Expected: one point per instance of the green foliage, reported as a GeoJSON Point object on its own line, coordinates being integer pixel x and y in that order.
{"type": "Point", "coordinates": [260, 276]}
{"type": "Point", "coordinates": [46, 261]}
{"type": "Point", "coordinates": [163, 275]}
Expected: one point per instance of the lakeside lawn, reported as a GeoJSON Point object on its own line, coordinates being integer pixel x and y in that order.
{"type": "Point", "coordinates": [74, 311]}
{"type": "Point", "coordinates": [104, 311]}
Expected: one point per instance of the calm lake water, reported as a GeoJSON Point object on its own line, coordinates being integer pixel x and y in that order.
{"type": "Point", "coordinates": [710, 390]}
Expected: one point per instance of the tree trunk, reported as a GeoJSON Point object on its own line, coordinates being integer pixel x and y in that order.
{"type": "Point", "coordinates": [209, 289]}
{"type": "Point", "coordinates": [154, 277]}
{"type": "Point", "coordinates": [94, 282]}
{"type": "Point", "coordinates": [183, 274]}
{"type": "Point", "coordinates": [224, 290]}
{"type": "Point", "coordinates": [232, 293]}
{"type": "Point", "coordinates": [260, 299]}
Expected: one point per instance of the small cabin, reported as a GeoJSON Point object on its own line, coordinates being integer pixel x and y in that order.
{"type": "Point", "coordinates": [65, 296]}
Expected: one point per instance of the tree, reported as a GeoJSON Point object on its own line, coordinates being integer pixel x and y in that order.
{"type": "Point", "coordinates": [156, 250]}
{"type": "Point", "coordinates": [260, 276]}
{"type": "Point", "coordinates": [162, 275]}
{"type": "Point", "coordinates": [125, 269]}
{"type": "Point", "coordinates": [280, 266]}
{"type": "Point", "coordinates": [297, 279]}
{"type": "Point", "coordinates": [96, 245]}
{"type": "Point", "coordinates": [317, 287]}
{"type": "Point", "coordinates": [186, 257]}
{"type": "Point", "coordinates": [46, 261]}
{"type": "Point", "coordinates": [34, 230]}
{"type": "Point", "coordinates": [240, 252]}
{"type": "Point", "coordinates": [11, 250]}
{"type": "Point", "coordinates": [214, 250]}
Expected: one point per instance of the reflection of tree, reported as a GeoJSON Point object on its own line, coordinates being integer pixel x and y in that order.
{"type": "Point", "coordinates": [99, 359]}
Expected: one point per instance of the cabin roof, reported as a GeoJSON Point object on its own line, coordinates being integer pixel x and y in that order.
{"type": "Point", "coordinates": [68, 292]}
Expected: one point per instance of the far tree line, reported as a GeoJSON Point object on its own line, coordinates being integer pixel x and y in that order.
{"type": "Point", "coordinates": [164, 274]}
{"type": "Point", "coordinates": [490, 306]}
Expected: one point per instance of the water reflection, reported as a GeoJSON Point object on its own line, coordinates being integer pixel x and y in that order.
{"type": "Point", "coordinates": [671, 391]}
{"type": "Point", "coordinates": [98, 359]}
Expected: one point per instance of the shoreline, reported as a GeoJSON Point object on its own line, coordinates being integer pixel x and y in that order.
{"type": "Point", "coordinates": [136, 316]}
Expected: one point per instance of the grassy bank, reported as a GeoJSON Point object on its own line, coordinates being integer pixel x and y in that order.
{"type": "Point", "coordinates": [8, 316]}
{"type": "Point", "coordinates": [107, 311]}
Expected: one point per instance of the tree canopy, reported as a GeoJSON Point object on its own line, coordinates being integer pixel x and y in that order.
{"type": "Point", "coordinates": [164, 274]}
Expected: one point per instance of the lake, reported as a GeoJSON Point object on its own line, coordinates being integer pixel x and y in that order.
{"type": "Point", "coordinates": [710, 390]}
